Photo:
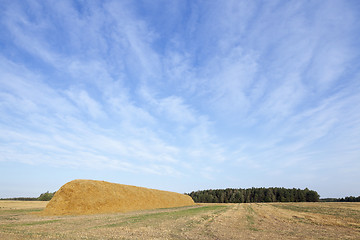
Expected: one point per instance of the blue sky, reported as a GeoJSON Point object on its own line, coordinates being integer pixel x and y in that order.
{"type": "Point", "coordinates": [180, 95]}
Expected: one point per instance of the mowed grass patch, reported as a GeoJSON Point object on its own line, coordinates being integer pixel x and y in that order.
{"type": "Point", "coordinates": [29, 223]}
{"type": "Point", "coordinates": [327, 214]}
{"type": "Point", "coordinates": [12, 208]}
{"type": "Point", "coordinates": [19, 211]}
{"type": "Point", "coordinates": [167, 215]}
{"type": "Point", "coordinates": [320, 209]}
{"type": "Point", "coordinates": [250, 217]}
{"type": "Point", "coordinates": [13, 214]}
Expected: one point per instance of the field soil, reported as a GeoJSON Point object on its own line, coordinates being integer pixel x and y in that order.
{"type": "Point", "coordinates": [20, 220]}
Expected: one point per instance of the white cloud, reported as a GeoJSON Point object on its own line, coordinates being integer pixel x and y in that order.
{"type": "Point", "coordinates": [234, 87]}
{"type": "Point", "coordinates": [82, 99]}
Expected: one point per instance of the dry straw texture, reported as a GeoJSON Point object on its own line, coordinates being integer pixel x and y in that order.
{"type": "Point", "coordinates": [90, 197]}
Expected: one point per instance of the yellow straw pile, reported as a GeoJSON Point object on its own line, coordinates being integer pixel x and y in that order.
{"type": "Point", "coordinates": [80, 197]}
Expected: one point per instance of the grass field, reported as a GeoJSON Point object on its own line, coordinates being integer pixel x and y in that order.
{"type": "Point", "coordinates": [19, 220]}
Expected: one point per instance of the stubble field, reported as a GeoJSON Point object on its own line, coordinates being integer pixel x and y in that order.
{"type": "Point", "coordinates": [20, 220]}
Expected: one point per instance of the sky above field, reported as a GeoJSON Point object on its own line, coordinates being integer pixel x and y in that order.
{"type": "Point", "coordinates": [180, 95]}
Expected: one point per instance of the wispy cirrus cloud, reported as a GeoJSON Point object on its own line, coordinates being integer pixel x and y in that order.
{"type": "Point", "coordinates": [93, 116]}
{"type": "Point", "coordinates": [184, 89]}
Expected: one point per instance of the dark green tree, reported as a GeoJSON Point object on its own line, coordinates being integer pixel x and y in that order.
{"type": "Point", "coordinates": [46, 196]}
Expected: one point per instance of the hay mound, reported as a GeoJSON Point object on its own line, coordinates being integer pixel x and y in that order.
{"type": "Point", "coordinates": [90, 197]}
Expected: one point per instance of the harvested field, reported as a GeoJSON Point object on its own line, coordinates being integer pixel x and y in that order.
{"type": "Point", "coordinates": [201, 221]}
{"type": "Point", "coordinates": [21, 205]}
{"type": "Point", "coordinates": [80, 197]}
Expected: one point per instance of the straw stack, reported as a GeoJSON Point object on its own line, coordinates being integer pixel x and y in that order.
{"type": "Point", "coordinates": [80, 197]}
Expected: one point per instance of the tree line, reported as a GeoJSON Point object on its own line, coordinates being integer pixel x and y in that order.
{"type": "Point", "coordinates": [345, 199]}
{"type": "Point", "coordinates": [47, 196]}
{"type": "Point", "coordinates": [238, 195]}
